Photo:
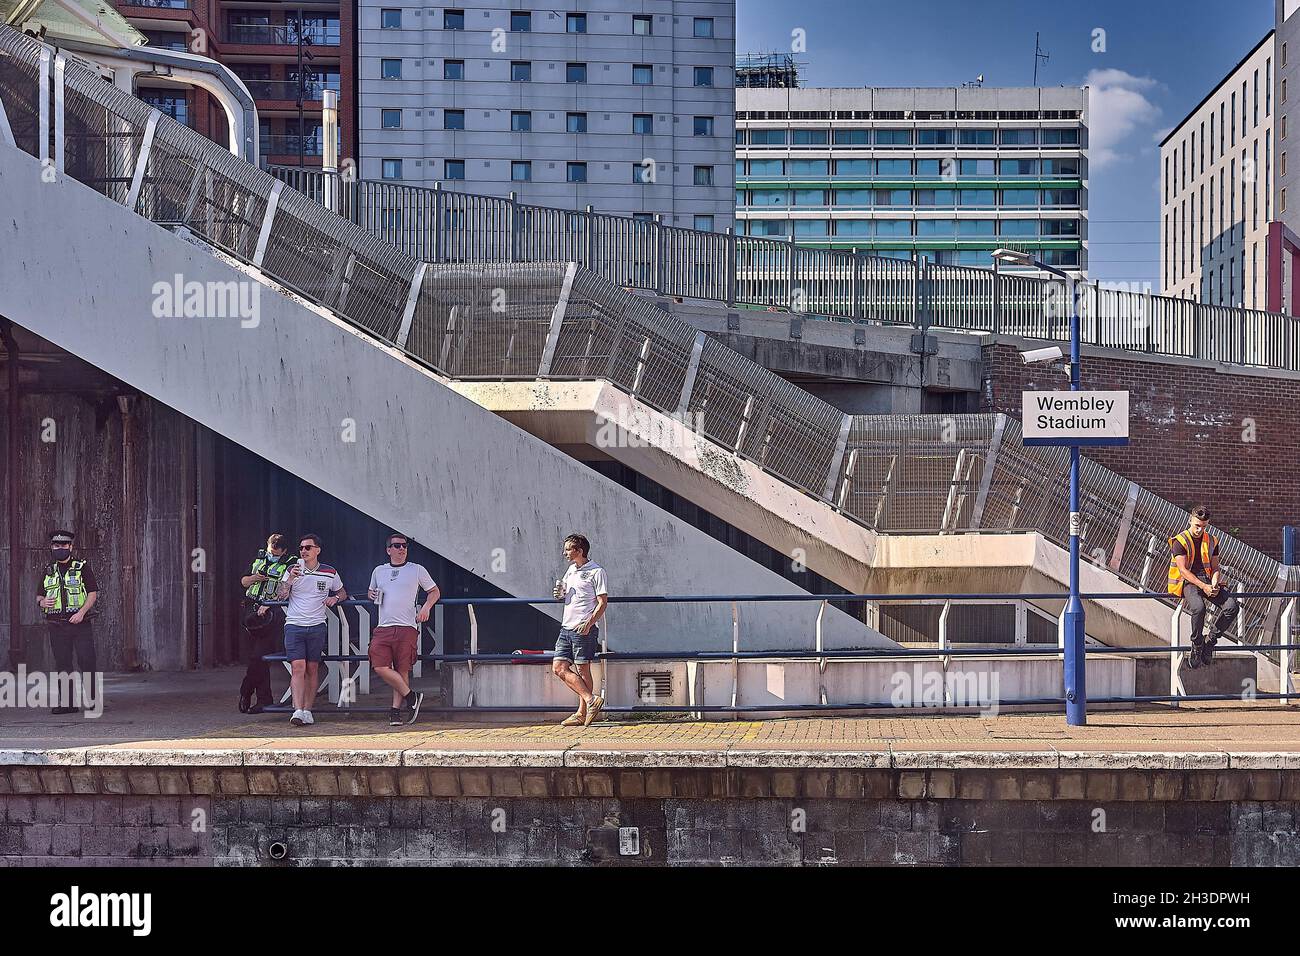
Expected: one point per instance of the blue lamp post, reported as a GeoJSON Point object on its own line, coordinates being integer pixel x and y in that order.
{"type": "Point", "coordinates": [1076, 697]}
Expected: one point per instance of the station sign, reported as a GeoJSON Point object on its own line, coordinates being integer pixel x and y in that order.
{"type": "Point", "coordinates": [1074, 418]}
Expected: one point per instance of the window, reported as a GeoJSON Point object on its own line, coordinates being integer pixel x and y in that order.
{"type": "Point", "coordinates": [936, 227]}
{"type": "Point", "coordinates": [766, 167]}
{"type": "Point", "coordinates": [390, 119]}
{"type": "Point", "coordinates": [810, 137]}
{"type": "Point", "coordinates": [390, 69]}
{"type": "Point", "coordinates": [1061, 167]}
{"type": "Point", "coordinates": [853, 227]}
{"type": "Point", "coordinates": [575, 23]}
{"type": "Point", "coordinates": [811, 227]}
{"type": "Point", "coordinates": [576, 172]}
{"type": "Point", "coordinates": [1018, 167]}
{"type": "Point", "coordinates": [767, 137]}
{"type": "Point", "coordinates": [575, 73]}
{"type": "Point", "coordinates": [704, 76]}
{"type": "Point", "coordinates": [642, 74]}
{"type": "Point", "coordinates": [392, 169]}
{"type": "Point", "coordinates": [892, 197]}
{"type": "Point", "coordinates": [852, 137]}
{"type": "Point", "coordinates": [389, 19]}
{"type": "Point", "coordinates": [854, 167]}
{"type": "Point", "coordinates": [1281, 166]}
{"type": "Point", "coordinates": [769, 227]}
{"type": "Point", "coordinates": [521, 71]}
{"type": "Point", "coordinates": [576, 123]}
{"type": "Point", "coordinates": [1060, 197]}
{"type": "Point", "coordinates": [642, 26]}
{"type": "Point", "coordinates": [1283, 99]}
{"type": "Point", "coordinates": [704, 126]}
{"type": "Point", "coordinates": [521, 121]}
{"type": "Point", "coordinates": [1060, 137]}
{"type": "Point", "coordinates": [643, 123]}
{"type": "Point", "coordinates": [521, 171]}
{"type": "Point", "coordinates": [453, 19]}
{"type": "Point", "coordinates": [453, 119]}
{"type": "Point", "coordinates": [643, 172]}
{"type": "Point", "coordinates": [454, 169]}
{"type": "Point", "coordinates": [453, 69]}
{"type": "Point", "coordinates": [975, 167]}
{"type": "Point", "coordinates": [975, 227]}
{"type": "Point", "coordinates": [704, 175]}
{"type": "Point", "coordinates": [1060, 227]}
{"type": "Point", "coordinates": [704, 26]}
{"type": "Point", "coordinates": [893, 137]}
{"type": "Point", "coordinates": [703, 223]}
{"type": "Point", "coordinates": [809, 197]}
{"type": "Point", "coordinates": [893, 228]}
{"type": "Point", "coordinates": [934, 137]}
{"type": "Point", "coordinates": [809, 167]}
{"type": "Point", "coordinates": [1019, 137]}
{"type": "Point", "coordinates": [975, 137]}
{"type": "Point", "coordinates": [852, 197]}
{"type": "Point", "coordinates": [1020, 197]}
{"type": "Point", "coordinates": [893, 167]}
{"type": "Point", "coordinates": [975, 197]}
{"type": "Point", "coordinates": [936, 197]}
{"type": "Point", "coordinates": [520, 21]}
{"type": "Point", "coordinates": [944, 168]}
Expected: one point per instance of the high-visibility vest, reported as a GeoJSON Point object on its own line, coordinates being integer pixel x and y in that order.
{"type": "Point", "coordinates": [1208, 543]}
{"type": "Point", "coordinates": [68, 588]}
{"type": "Point", "coordinates": [273, 568]}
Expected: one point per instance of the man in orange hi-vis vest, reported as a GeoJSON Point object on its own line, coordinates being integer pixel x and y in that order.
{"type": "Point", "coordinates": [1194, 576]}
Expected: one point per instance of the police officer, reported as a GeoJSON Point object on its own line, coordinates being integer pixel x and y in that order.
{"type": "Point", "coordinates": [260, 625]}
{"type": "Point", "coordinates": [68, 592]}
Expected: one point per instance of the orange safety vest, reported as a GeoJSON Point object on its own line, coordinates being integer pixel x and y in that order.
{"type": "Point", "coordinates": [1208, 542]}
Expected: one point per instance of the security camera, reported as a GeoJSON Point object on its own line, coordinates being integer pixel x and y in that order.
{"type": "Point", "coordinates": [1049, 354]}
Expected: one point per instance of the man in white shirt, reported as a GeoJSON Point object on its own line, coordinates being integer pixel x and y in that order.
{"type": "Point", "coordinates": [585, 592]}
{"type": "Point", "coordinates": [311, 588]}
{"type": "Point", "coordinates": [394, 587]}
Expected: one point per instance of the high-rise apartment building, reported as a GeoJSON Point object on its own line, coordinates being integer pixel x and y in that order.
{"type": "Point", "coordinates": [949, 174]}
{"type": "Point", "coordinates": [1217, 171]}
{"type": "Point", "coordinates": [627, 107]}
{"type": "Point", "coordinates": [279, 49]}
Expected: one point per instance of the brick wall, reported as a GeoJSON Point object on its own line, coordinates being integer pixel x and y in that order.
{"type": "Point", "coordinates": [1191, 433]}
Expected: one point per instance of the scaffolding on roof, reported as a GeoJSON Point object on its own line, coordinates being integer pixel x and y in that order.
{"type": "Point", "coordinates": [767, 71]}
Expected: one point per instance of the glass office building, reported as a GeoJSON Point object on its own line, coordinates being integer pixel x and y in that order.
{"type": "Point", "coordinates": [948, 174]}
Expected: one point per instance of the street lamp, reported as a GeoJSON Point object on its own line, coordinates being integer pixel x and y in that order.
{"type": "Point", "coordinates": [1076, 697]}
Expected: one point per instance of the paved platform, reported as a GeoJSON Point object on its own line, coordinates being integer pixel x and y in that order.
{"type": "Point", "coordinates": [190, 718]}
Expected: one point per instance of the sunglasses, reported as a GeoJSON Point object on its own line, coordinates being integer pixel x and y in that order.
{"type": "Point", "coordinates": [398, 547]}
{"type": "Point", "coordinates": [308, 547]}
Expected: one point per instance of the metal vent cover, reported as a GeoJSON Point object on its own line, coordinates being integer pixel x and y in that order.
{"type": "Point", "coordinates": [654, 687]}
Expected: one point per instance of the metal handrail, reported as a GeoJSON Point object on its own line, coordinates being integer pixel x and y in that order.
{"type": "Point", "coordinates": [830, 283]}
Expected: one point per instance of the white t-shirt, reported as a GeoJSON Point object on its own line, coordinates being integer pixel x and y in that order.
{"type": "Point", "coordinates": [307, 594]}
{"type": "Point", "coordinates": [400, 584]}
{"type": "Point", "coordinates": [581, 585]}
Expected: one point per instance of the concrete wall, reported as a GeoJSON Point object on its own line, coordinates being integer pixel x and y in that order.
{"type": "Point", "coordinates": [359, 421]}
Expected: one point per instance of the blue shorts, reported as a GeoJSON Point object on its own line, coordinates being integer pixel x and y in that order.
{"type": "Point", "coordinates": [305, 643]}
{"type": "Point", "coordinates": [573, 647]}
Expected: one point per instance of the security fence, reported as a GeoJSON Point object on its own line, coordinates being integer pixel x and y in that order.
{"type": "Point", "coordinates": [494, 318]}
{"type": "Point", "coordinates": [446, 225]}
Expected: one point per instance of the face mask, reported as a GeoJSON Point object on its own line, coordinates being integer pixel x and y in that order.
{"type": "Point", "coordinates": [60, 553]}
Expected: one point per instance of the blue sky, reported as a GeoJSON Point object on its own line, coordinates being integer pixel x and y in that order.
{"type": "Point", "coordinates": [1161, 57]}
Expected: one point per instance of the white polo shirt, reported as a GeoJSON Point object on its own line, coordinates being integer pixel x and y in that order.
{"type": "Point", "coordinates": [307, 595]}
{"type": "Point", "coordinates": [581, 585]}
{"type": "Point", "coordinates": [401, 585]}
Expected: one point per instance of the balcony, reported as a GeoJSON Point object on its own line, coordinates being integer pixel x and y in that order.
{"type": "Point", "coordinates": [287, 144]}
{"type": "Point", "coordinates": [280, 34]}
{"type": "Point", "coordinates": [164, 4]}
{"type": "Point", "coordinates": [287, 90]}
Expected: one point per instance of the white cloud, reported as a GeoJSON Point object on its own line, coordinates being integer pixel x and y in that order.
{"type": "Point", "coordinates": [1117, 106]}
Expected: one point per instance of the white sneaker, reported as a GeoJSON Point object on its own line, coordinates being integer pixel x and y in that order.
{"type": "Point", "coordinates": [296, 719]}
{"type": "Point", "coordinates": [307, 718]}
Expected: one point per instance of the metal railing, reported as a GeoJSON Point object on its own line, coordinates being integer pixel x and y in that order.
{"type": "Point", "coordinates": [280, 34]}
{"type": "Point", "coordinates": [499, 319]}
{"type": "Point", "coordinates": [445, 225]}
{"type": "Point", "coordinates": [312, 90]}
{"type": "Point", "coordinates": [289, 144]}
{"type": "Point", "coordinates": [345, 682]}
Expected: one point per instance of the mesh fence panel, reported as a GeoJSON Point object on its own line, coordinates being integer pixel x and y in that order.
{"type": "Point", "coordinates": [103, 129]}
{"type": "Point", "coordinates": [20, 58]}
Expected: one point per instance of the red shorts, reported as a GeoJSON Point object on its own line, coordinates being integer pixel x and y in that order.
{"type": "Point", "coordinates": [393, 646]}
